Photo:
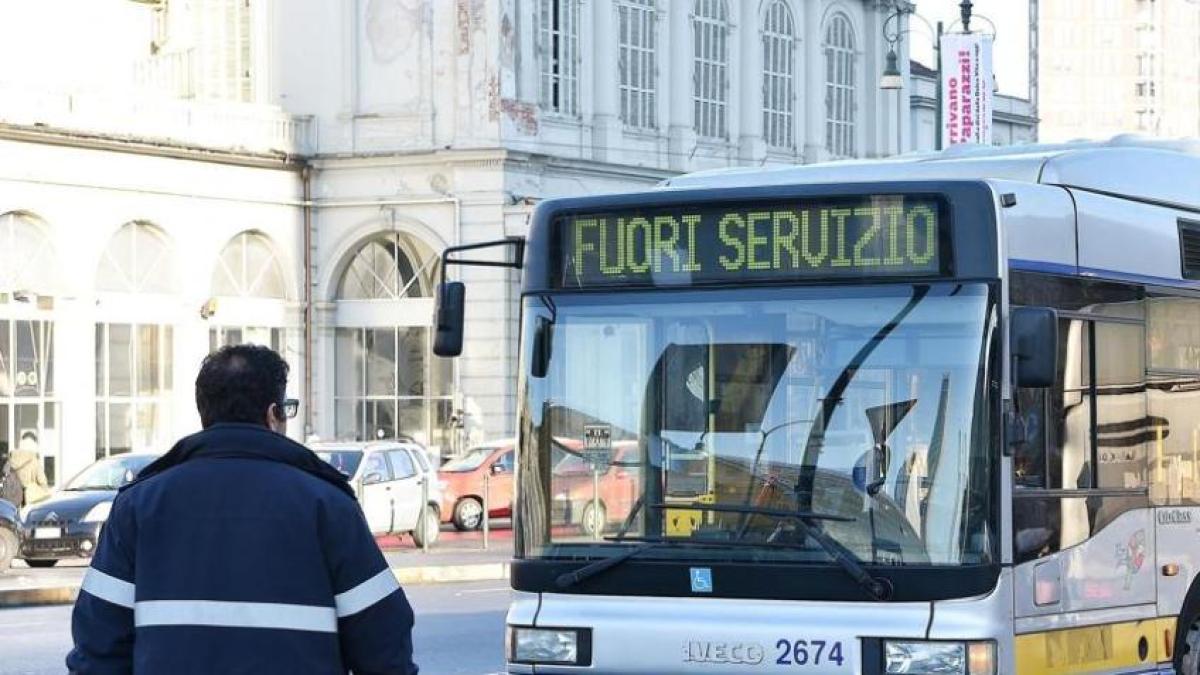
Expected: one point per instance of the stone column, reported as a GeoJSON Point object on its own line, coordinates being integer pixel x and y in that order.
{"type": "Point", "coordinates": [676, 84]}
{"type": "Point", "coordinates": [812, 84]}
{"type": "Point", "coordinates": [606, 117]}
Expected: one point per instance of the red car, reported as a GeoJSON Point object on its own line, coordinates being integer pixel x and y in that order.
{"type": "Point", "coordinates": [462, 481]}
{"type": "Point", "coordinates": [573, 488]}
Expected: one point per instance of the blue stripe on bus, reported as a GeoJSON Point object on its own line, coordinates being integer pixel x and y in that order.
{"type": "Point", "coordinates": [1101, 274]}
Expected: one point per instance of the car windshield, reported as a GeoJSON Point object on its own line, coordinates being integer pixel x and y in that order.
{"type": "Point", "coordinates": [346, 461]}
{"type": "Point", "coordinates": [673, 413]}
{"type": "Point", "coordinates": [108, 474]}
{"type": "Point", "coordinates": [469, 461]}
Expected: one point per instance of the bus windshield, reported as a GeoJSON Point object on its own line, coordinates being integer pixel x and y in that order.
{"type": "Point", "coordinates": [710, 417]}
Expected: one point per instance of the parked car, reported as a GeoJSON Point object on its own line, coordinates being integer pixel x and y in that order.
{"type": "Point", "coordinates": [68, 524]}
{"type": "Point", "coordinates": [574, 478]}
{"type": "Point", "coordinates": [10, 534]}
{"type": "Point", "coordinates": [463, 479]}
{"type": "Point", "coordinates": [386, 477]}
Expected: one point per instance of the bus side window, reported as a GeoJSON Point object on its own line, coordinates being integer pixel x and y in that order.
{"type": "Point", "coordinates": [1173, 418]}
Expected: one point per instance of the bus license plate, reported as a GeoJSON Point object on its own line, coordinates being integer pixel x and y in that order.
{"type": "Point", "coordinates": [47, 532]}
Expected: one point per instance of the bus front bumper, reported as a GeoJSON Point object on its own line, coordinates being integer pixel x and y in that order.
{"type": "Point", "coordinates": [718, 636]}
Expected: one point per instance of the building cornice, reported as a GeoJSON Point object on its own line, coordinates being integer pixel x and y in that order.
{"type": "Point", "coordinates": [43, 135]}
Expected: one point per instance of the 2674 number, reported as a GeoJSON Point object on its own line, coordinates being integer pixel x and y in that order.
{"type": "Point", "coordinates": [808, 653]}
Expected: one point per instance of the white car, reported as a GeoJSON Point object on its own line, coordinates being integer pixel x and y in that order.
{"type": "Point", "coordinates": [387, 476]}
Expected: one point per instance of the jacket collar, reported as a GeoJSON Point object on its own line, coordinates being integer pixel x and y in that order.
{"type": "Point", "coordinates": [245, 441]}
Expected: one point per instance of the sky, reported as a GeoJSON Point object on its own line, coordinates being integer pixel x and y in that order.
{"type": "Point", "coordinates": [1010, 59]}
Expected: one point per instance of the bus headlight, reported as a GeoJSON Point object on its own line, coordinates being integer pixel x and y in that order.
{"type": "Point", "coordinates": [914, 657]}
{"type": "Point", "coordinates": [549, 646]}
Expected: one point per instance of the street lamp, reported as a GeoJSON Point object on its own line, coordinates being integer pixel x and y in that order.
{"type": "Point", "coordinates": [892, 79]}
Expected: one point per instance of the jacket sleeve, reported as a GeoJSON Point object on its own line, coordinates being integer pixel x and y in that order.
{"type": "Point", "coordinates": [375, 621]}
{"type": "Point", "coordinates": [102, 623]}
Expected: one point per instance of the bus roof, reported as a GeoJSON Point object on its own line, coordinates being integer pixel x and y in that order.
{"type": "Point", "coordinates": [1131, 166]}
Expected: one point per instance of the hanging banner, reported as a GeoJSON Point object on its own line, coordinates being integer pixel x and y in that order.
{"type": "Point", "coordinates": [966, 88]}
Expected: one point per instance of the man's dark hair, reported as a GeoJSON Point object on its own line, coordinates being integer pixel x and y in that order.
{"type": "Point", "coordinates": [238, 383]}
{"type": "Point", "coordinates": [30, 435]}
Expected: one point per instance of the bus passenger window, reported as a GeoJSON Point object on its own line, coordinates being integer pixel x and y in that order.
{"type": "Point", "coordinates": [1122, 427]}
{"type": "Point", "coordinates": [1173, 399]}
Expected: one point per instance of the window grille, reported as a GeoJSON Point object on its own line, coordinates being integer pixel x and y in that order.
{"type": "Point", "coordinates": [558, 32]}
{"type": "Point", "coordinates": [710, 75]}
{"type": "Point", "coordinates": [638, 67]}
{"type": "Point", "coordinates": [779, 76]}
{"type": "Point", "coordinates": [840, 104]}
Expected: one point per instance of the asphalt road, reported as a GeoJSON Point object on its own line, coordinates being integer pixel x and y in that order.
{"type": "Point", "coordinates": [460, 631]}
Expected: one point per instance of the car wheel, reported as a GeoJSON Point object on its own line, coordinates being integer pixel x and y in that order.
{"type": "Point", "coordinates": [8, 549]}
{"type": "Point", "coordinates": [595, 517]}
{"type": "Point", "coordinates": [1189, 663]}
{"type": "Point", "coordinates": [41, 563]}
{"type": "Point", "coordinates": [433, 523]}
{"type": "Point", "coordinates": [468, 514]}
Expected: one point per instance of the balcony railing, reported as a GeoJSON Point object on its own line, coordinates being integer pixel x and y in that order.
{"type": "Point", "coordinates": [218, 125]}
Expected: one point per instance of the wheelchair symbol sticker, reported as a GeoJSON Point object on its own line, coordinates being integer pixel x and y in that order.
{"type": "Point", "coordinates": [702, 580]}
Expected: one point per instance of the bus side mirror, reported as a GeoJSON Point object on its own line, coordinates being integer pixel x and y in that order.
{"type": "Point", "coordinates": [542, 346]}
{"type": "Point", "coordinates": [448, 318]}
{"type": "Point", "coordinates": [1033, 338]}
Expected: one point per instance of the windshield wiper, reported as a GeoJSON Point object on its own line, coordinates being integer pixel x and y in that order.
{"type": "Point", "coordinates": [878, 588]}
{"type": "Point", "coordinates": [569, 579]}
{"type": "Point", "coordinates": [85, 488]}
{"type": "Point", "coordinates": [816, 434]}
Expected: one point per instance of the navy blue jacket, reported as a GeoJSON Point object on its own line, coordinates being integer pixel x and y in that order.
{"type": "Point", "coordinates": [240, 551]}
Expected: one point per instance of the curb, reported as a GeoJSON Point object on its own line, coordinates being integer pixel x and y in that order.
{"type": "Point", "coordinates": [429, 574]}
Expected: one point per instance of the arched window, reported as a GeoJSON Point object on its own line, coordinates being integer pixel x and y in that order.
{"type": "Point", "coordinates": [29, 407]}
{"type": "Point", "coordinates": [710, 75]}
{"type": "Point", "coordinates": [840, 102]}
{"type": "Point", "coordinates": [779, 76]}
{"type": "Point", "coordinates": [26, 255]}
{"type": "Point", "coordinates": [389, 267]}
{"type": "Point", "coordinates": [249, 268]}
{"type": "Point", "coordinates": [134, 360]}
{"type": "Point", "coordinates": [137, 260]}
{"type": "Point", "coordinates": [247, 272]}
{"type": "Point", "coordinates": [558, 53]}
{"type": "Point", "coordinates": [637, 44]}
{"type": "Point", "coordinates": [388, 384]}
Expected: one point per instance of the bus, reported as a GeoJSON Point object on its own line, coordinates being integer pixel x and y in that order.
{"type": "Point", "coordinates": [935, 414]}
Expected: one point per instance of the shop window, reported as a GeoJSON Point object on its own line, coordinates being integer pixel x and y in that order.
{"type": "Point", "coordinates": [133, 387]}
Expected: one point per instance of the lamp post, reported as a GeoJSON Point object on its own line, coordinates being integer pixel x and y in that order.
{"type": "Point", "coordinates": [892, 78]}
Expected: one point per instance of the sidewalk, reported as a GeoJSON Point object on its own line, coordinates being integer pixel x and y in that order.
{"type": "Point", "coordinates": [455, 557]}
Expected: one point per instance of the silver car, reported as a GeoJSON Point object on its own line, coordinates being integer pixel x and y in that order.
{"type": "Point", "coordinates": [390, 478]}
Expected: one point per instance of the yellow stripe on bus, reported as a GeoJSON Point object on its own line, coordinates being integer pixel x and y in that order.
{"type": "Point", "coordinates": [1096, 648]}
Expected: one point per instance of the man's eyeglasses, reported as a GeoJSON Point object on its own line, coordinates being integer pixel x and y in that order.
{"type": "Point", "coordinates": [290, 407]}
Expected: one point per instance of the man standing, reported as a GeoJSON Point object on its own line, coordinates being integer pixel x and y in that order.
{"type": "Point", "coordinates": [240, 551]}
{"type": "Point", "coordinates": [26, 461]}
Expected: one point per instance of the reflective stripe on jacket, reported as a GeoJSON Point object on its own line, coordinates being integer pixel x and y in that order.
{"type": "Point", "coordinates": [240, 551]}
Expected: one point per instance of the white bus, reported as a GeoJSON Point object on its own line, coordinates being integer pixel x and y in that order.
{"type": "Point", "coordinates": [930, 415]}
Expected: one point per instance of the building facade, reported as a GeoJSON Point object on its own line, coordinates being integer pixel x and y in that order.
{"type": "Point", "coordinates": [1106, 67]}
{"type": "Point", "coordinates": [289, 173]}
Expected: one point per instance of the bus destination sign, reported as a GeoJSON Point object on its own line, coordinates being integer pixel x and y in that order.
{"type": "Point", "coordinates": [860, 237]}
